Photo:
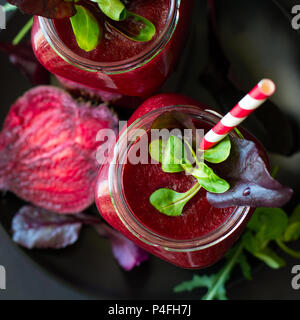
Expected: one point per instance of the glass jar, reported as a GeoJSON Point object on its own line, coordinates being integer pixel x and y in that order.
{"type": "Point", "coordinates": [139, 76]}
{"type": "Point", "coordinates": [193, 253]}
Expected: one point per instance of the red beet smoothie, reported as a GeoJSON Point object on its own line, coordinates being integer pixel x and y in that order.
{"type": "Point", "coordinates": [199, 220]}
{"type": "Point", "coordinates": [104, 69]}
{"type": "Point", "coordinates": [198, 217]}
{"type": "Point", "coordinates": [115, 46]}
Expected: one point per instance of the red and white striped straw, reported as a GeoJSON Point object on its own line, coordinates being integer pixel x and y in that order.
{"type": "Point", "coordinates": [254, 99]}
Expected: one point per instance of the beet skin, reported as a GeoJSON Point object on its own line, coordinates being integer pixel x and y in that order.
{"type": "Point", "coordinates": [48, 149]}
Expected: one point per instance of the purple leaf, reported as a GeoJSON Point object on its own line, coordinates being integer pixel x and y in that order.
{"type": "Point", "coordinates": [23, 58]}
{"type": "Point", "coordinates": [38, 228]}
{"type": "Point", "coordinates": [250, 181]}
{"type": "Point", "coordinates": [53, 9]}
{"type": "Point", "coordinates": [128, 254]}
{"type": "Point", "coordinates": [34, 227]}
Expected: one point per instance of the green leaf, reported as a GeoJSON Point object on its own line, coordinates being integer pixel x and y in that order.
{"type": "Point", "coordinates": [219, 152]}
{"type": "Point", "coordinates": [259, 249]}
{"type": "Point", "coordinates": [197, 282]}
{"type": "Point", "coordinates": [292, 232]}
{"type": "Point", "coordinates": [287, 250]}
{"type": "Point", "coordinates": [208, 179]}
{"type": "Point", "coordinates": [135, 27]}
{"type": "Point", "coordinates": [170, 202]}
{"type": "Point", "coordinates": [251, 243]}
{"type": "Point", "coordinates": [245, 266]}
{"type": "Point", "coordinates": [156, 149]}
{"type": "Point", "coordinates": [270, 258]}
{"type": "Point", "coordinates": [238, 132]}
{"type": "Point", "coordinates": [86, 29]}
{"type": "Point", "coordinates": [218, 289]}
{"type": "Point", "coordinates": [268, 223]}
{"type": "Point", "coordinates": [114, 9]}
{"type": "Point", "coordinates": [295, 216]}
{"type": "Point", "coordinates": [173, 155]}
{"type": "Point", "coordinates": [206, 282]}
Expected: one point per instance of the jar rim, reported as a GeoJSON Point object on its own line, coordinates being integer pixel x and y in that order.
{"type": "Point", "coordinates": [117, 67]}
{"type": "Point", "coordinates": [134, 225]}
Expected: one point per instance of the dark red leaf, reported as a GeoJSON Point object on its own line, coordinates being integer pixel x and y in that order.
{"type": "Point", "coordinates": [34, 227]}
{"type": "Point", "coordinates": [53, 9]}
{"type": "Point", "coordinates": [251, 183]}
{"type": "Point", "coordinates": [127, 253]}
{"type": "Point", "coordinates": [23, 58]}
{"type": "Point", "coordinates": [38, 228]}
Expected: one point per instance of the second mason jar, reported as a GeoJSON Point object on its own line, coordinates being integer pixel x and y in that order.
{"type": "Point", "coordinates": [139, 75]}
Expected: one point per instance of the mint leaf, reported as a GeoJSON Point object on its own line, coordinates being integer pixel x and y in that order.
{"type": "Point", "coordinates": [86, 29]}
{"type": "Point", "coordinates": [219, 152]}
{"type": "Point", "coordinates": [134, 27]}
{"type": "Point", "coordinates": [170, 202]}
{"type": "Point", "coordinates": [114, 9]}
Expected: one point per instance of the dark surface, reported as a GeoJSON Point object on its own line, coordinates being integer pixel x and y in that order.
{"type": "Point", "coordinates": [87, 269]}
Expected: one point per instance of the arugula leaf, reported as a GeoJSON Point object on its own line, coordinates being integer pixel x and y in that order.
{"type": "Point", "coordinates": [292, 233]}
{"type": "Point", "coordinates": [86, 29]}
{"type": "Point", "coordinates": [197, 282]}
{"type": "Point", "coordinates": [268, 223]}
{"type": "Point", "coordinates": [245, 266]}
{"type": "Point", "coordinates": [134, 27]}
{"type": "Point", "coordinates": [270, 258]}
{"type": "Point", "coordinates": [114, 9]}
{"type": "Point", "coordinates": [170, 202]}
{"type": "Point", "coordinates": [219, 152]}
{"type": "Point", "coordinates": [203, 282]}
{"type": "Point", "coordinates": [295, 216]}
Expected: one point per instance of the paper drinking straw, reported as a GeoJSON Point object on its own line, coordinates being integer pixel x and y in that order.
{"type": "Point", "coordinates": [254, 99]}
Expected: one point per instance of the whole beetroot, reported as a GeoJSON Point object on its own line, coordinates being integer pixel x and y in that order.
{"type": "Point", "coordinates": [48, 149]}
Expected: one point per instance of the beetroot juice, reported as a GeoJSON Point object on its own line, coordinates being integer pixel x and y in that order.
{"type": "Point", "coordinates": [118, 65]}
{"type": "Point", "coordinates": [198, 217]}
{"type": "Point", "coordinates": [202, 234]}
